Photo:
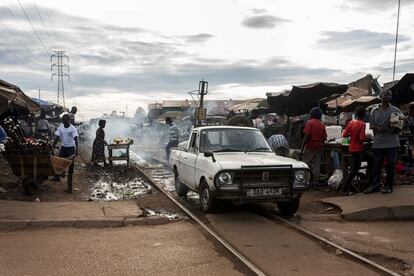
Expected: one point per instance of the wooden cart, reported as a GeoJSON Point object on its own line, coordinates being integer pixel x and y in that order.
{"type": "Point", "coordinates": [33, 169]}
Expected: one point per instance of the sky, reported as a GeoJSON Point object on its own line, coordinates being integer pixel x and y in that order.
{"type": "Point", "coordinates": [129, 53]}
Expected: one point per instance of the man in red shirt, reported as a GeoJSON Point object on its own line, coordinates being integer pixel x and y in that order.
{"type": "Point", "coordinates": [355, 129]}
{"type": "Point", "coordinates": [315, 136]}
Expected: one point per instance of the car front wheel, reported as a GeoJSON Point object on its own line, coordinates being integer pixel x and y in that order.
{"type": "Point", "coordinates": [289, 208]}
{"type": "Point", "coordinates": [207, 200]}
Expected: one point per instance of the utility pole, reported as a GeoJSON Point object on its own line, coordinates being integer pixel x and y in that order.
{"type": "Point", "coordinates": [58, 69]}
{"type": "Point", "coordinates": [39, 94]}
{"type": "Point", "coordinates": [201, 111]}
{"type": "Point", "coordinates": [396, 41]}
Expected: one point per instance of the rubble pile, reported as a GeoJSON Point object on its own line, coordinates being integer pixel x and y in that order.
{"type": "Point", "coordinates": [109, 190]}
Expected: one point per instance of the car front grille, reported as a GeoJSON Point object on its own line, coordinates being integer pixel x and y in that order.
{"type": "Point", "coordinates": [258, 177]}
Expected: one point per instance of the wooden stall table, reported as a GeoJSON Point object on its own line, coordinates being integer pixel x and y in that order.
{"type": "Point", "coordinates": [112, 158]}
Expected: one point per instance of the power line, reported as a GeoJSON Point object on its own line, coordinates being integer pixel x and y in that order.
{"type": "Point", "coordinates": [18, 22]}
{"type": "Point", "coordinates": [52, 25]}
{"type": "Point", "coordinates": [17, 38]}
{"type": "Point", "coordinates": [34, 29]}
{"type": "Point", "coordinates": [43, 23]}
{"type": "Point", "coordinates": [16, 57]}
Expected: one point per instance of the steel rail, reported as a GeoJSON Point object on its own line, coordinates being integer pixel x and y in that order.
{"type": "Point", "coordinates": [298, 228]}
{"type": "Point", "coordinates": [221, 240]}
{"type": "Point", "coordinates": [334, 245]}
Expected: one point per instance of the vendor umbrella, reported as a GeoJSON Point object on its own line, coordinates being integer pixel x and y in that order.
{"type": "Point", "coordinates": [301, 99]}
{"type": "Point", "coordinates": [403, 90]}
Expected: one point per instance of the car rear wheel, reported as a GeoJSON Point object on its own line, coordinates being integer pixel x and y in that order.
{"type": "Point", "coordinates": [180, 188]}
{"type": "Point", "coordinates": [289, 208]}
{"type": "Point", "coordinates": [207, 200]}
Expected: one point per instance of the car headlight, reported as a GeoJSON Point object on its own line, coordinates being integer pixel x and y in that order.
{"type": "Point", "coordinates": [225, 178]}
{"type": "Point", "coordinates": [300, 176]}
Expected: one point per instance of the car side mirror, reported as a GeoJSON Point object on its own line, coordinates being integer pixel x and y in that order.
{"type": "Point", "coordinates": [209, 153]}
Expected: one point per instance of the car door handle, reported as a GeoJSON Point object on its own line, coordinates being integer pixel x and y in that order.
{"type": "Point", "coordinates": [185, 158]}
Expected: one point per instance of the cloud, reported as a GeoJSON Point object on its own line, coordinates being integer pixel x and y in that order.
{"type": "Point", "coordinates": [262, 21]}
{"type": "Point", "coordinates": [357, 39]}
{"type": "Point", "coordinates": [259, 11]}
{"type": "Point", "coordinates": [276, 71]}
{"type": "Point", "coordinates": [198, 38]}
{"type": "Point", "coordinates": [403, 66]}
{"type": "Point", "coordinates": [375, 4]}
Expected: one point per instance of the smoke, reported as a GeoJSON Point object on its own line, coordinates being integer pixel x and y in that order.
{"type": "Point", "coordinates": [147, 137]}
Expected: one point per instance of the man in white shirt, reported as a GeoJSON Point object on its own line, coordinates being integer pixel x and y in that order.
{"type": "Point", "coordinates": [69, 136]}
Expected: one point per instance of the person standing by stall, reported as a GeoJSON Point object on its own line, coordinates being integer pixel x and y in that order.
{"type": "Point", "coordinates": [42, 124]}
{"type": "Point", "coordinates": [69, 136]}
{"type": "Point", "coordinates": [355, 129]}
{"type": "Point", "coordinates": [385, 144]}
{"type": "Point", "coordinates": [173, 134]}
{"type": "Point", "coordinates": [72, 114]}
{"type": "Point", "coordinates": [98, 150]}
{"type": "Point", "coordinates": [315, 136]}
{"type": "Point", "coordinates": [410, 122]}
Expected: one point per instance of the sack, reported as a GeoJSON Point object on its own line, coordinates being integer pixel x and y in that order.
{"type": "Point", "coordinates": [335, 180]}
{"type": "Point", "coordinates": [397, 120]}
{"type": "Point", "coordinates": [59, 164]}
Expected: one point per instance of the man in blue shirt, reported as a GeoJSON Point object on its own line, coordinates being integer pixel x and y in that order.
{"type": "Point", "coordinates": [173, 133]}
{"type": "Point", "coordinates": [385, 144]}
{"type": "Point", "coordinates": [3, 135]}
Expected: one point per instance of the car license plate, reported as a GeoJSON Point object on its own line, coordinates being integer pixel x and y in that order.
{"type": "Point", "coordinates": [263, 192]}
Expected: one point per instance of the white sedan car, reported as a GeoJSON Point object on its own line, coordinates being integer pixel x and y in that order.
{"type": "Point", "coordinates": [237, 164]}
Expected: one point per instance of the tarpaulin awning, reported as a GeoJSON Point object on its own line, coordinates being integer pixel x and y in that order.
{"type": "Point", "coordinates": [403, 90]}
{"type": "Point", "coordinates": [49, 106]}
{"type": "Point", "coordinates": [248, 105]}
{"type": "Point", "coordinates": [12, 93]}
{"type": "Point", "coordinates": [172, 115]}
{"type": "Point", "coordinates": [351, 104]}
{"type": "Point", "coordinates": [352, 98]}
{"type": "Point", "coordinates": [301, 99]}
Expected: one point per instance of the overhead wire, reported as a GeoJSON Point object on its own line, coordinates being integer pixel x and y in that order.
{"type": "Point", "coordinates": [43, 23]}
{"type": "Point", "coordinates": [18, 22]}
{"type": "Point", "coordinates": [52, 25]}
{"type": "Point", "coordinates": [34, 29]}
{"type": "Point", "coordinates": [19, 40]}
{"type": "Point", "coordinates": [14, 36]}
{"type": "Point", "coordinates": [16, 57]}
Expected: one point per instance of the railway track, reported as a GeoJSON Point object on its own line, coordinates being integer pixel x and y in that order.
{"type": "Point", "coordinates": [162, 178]}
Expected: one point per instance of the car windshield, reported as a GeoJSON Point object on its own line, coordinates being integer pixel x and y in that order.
{"type": "Point", "coordinates": [233, 140]}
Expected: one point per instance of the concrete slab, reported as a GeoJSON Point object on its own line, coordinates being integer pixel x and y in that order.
{"type": "Point", "coordinates": [18, 214]}
{"type": "Point", "coordinates": [398, 205]}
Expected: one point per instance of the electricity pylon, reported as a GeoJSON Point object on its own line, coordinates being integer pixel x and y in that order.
{"type": "Point", "coordinates": [58, 69]}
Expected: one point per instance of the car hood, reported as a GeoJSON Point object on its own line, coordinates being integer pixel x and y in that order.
{"type": "Point", "coordinates": [234, 160]}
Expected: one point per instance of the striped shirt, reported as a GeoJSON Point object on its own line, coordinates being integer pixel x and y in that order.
{"type": "Point", "coordinates": [173, 131]}
{"type": "Point", "coordinates": [278, 141]}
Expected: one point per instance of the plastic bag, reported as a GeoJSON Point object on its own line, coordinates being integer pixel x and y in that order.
{"type": "Point", "coordinates": [335, 180]}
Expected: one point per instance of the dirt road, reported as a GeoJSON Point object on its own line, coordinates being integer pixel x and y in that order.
{"type": "Point", "coordinates": [173, 249]}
